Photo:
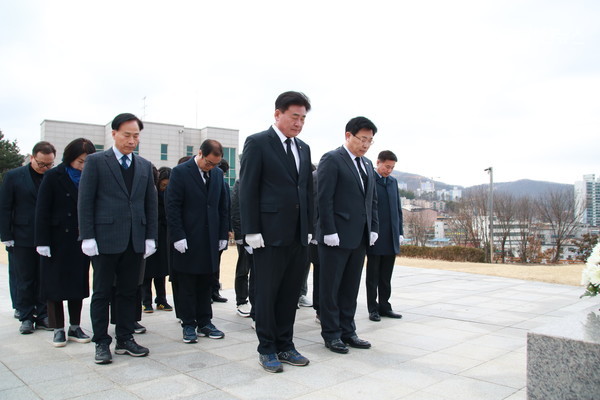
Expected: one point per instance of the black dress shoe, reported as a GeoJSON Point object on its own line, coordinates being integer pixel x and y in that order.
{"type": "Point", "coordinates": [217, 298]}
{"type": "Point", "coordinates": [391, 314]}
{"type": "Point", "coordinates": [336, 345]}
{"type": "Point", "coordinates": [356, 342]}
{"type": "Point", "coordinates": [374, 316]}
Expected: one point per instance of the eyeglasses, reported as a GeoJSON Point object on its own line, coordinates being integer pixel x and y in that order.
{"type": "Point", "coordinates": [209, 163]}
{"type": "Point", "coordinates": [364, 140]}
{"type": "Point", "coordinates": [43, 165]}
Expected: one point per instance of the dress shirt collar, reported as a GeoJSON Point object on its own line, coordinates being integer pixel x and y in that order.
{"type": "Point", "coordinates": [282, 137]}
{"type": "Point", "coordinates": [118, 154]}
{"type": "Point", "coordinates": [352, 156]}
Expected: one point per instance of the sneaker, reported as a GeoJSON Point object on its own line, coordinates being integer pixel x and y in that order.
{"type": "Point", "coordinates": [270, 363]}
{"type": "Point", "coordinates": [189, 334]}
{"type": "Point", "coordinates": [43, 324]}
{"type": "Point", "coordinates": [148, 309]}
{"type": "Point", "coordinates": [243, 310]}
{"type": "Point", "coordinates": [17, 314]}
{"type": "Point", "coordinates": [59, 338]}
{"type": "Point", "coordinates": [217, 298]}
{"type": "Point", "coordinates": [292, 357]}
{"type": "Point", "coordinates": [132, 348]}
{"type": "Point", "coordinates": [138, 328]}
{"type": "Point", "coordinates": [77, 335]}
{"type": "Point", "coordinates": [303, 301]}
{"type": "Point", "coordinates": [211, 331]}
{"type": "Point", "coordinates": [164, 307]}
{"type": "Point", "coordinates": [26, 327]}
{"type": "Point", "coordinates": [103, 355]}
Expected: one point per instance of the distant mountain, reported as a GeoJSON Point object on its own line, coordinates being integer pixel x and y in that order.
{"type": "Point", "coordinates": [413, 181]}
{"type": "Point", "coordinates": [525, 187]}
{"type": "Point", "coordinates": [522, 187]}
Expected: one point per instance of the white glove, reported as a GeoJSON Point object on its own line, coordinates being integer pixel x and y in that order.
{"type": "Point", "coordinates": [239, 241]}
{"type": "Point", "coordinates": [373, 239]}
{"type": "Point", "coordinates": [401, 239]}
{"type": "Point", "coordinates": [332, 240]}
{"type": "Point", "coordinates": [255, 240]}
{"type": "Point", "coordinates": [314, 242]}
{"type": "Point", "coordinates": [9, 243]}
{"type": "Point", "coordinates": [89, 247]}
{"type": "Point", "coordinates": [309, 237]}
{"type": "Point", "coordinates": [222, 244]}
{"type": "Point", "coordinates": [43, 251]}
{"type": "Point", "coordinates": [249, 249]}
{"type": "Point", "coordinates": [181, 245]}
{"type": "Point", "coordinates": [150, 248]}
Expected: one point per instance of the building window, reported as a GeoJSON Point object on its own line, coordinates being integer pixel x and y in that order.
{"type": "Point", "coordinates": [230, 156]}
{"type": "Point", "coordinates": [163, 152]}
{"type": "Point", "coordinates": [189, 150]}
{"type": "Point", "coordinates": [99, 147]}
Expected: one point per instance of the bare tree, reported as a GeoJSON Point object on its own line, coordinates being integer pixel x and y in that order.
{"type": "Point", "coordinates": [469, 220]}
{"type": "Point", "coordinates": [505, 210]}
{"type": "Point", "coordinates": [557, 208]}
{"type": "Point", "coordinates": [527, 227]}
{"type": "Point", "coordinates": [418, 224]}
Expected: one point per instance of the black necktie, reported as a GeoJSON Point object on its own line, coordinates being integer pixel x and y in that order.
{"type": "Point", "coordinates": [290, 155]}
{"type": "Point", "coordinates": [206, 178]}
{"type": "Point", "coordinates": [124, 162]}
{"type": "Point", "coordinates": [363, 175]}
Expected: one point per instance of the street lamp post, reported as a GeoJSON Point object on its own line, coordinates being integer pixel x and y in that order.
{"type": "Point", "coordinates": [491, 212]}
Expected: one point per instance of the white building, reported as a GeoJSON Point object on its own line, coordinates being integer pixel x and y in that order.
{"type": "Point", "coordinates": [161, 144]}
{"type": "Point", "coordinates": [587, 199]}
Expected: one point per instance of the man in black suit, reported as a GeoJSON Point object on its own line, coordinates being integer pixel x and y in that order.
{"type": "Point", "coordinates": [348, 223]}
{"type": "Point", "coordinates": [17, 215]}
{"type": "Point", "coordinates": [382, 255]}
{"type": "Point", "coordinates": [118, 226]}
{"type": "Point", "coordinates": [198, 222]}
{"type": "Point", "coordinates": [276, 206]}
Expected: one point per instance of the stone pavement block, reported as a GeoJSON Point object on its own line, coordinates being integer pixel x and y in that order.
{"type": "Point", "coordinates": [507, 369]}
{"type": "Point", "coordinates": [463, 388]}
{"type": "Point", "coordinates": [20, 393]}
{"type": "Point", "coordinates": [170, 387]}
{"type": "Point", "coordinates": [73, 386]}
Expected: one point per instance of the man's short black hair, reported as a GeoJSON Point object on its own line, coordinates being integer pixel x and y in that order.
{"type": "Point", "coordinates": [387, 155]}
{"type": "Point", "coordinates": [125, 117]}
{"type": "Point", "coordinates": [210, 146]}
{"type": "Point", "coordinates": [287, 99]}
{"type": "Point", "coordinates": [44, 148]}
{"type": "Point", "coordinates": [358, 123]}
{"type": "Point", "coordinates": [76, 148]}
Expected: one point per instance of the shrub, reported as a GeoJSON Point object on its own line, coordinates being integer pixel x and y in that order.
{"type": "Point", "coordinates": [450, 253]}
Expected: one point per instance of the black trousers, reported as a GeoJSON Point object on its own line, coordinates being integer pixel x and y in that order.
{"type": "Point", "coordinates": [379, 282]}
{"type": "Point", "coordinates": [340, 280]}
{"type": "Point", "coordinates": [12, 278]}
{"type": "Point", "coordinates": [56, 313]}
{"type": "Point", "coordinates": [123, 270]}
{"type": "Point", "coordinates": [244, 277]}
{"type": "Point", "coordinates": [313, 256]}
{"type": "Point", "coordinates": [278, 278]}
{"type": "Point", "coordinates": [194, 296]}
{"type": "Point", "coordinates": [159, 288]}
{"type": "Point", "coordinates": [26, 265]}
{"type": "Point", "coordinates": [114, 306]}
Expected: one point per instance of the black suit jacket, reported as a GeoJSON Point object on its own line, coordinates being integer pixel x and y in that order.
{"type": "Point", "coordinates": [198, 215]}
{"type": "Point", "coordinates": [17, 207]}
{"type": "Point", "coordinates": [273, 200]}
{"type": "Point", "coordinates": [344, 207]}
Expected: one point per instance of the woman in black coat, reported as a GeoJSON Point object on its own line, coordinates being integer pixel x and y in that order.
{"type": "Point", "coordinates": [157, 265]}
{"type": "Point", "coordinates": [64, 267]}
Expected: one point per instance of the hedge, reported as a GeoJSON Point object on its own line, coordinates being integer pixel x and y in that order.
{"type": "Point", "coordinates": [449, 253]}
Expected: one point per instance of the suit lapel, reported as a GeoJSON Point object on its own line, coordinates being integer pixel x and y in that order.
{"type": "Point", "coordinates": [195, 173]}
{"type": "Point", "coordinates": [137, 173]}
{"type": "Point", "coordinates": [280, 152]}
{"type": "Point", "coordinates": [115, 168]}
{"type": "Point", "coordinates": [28, 180]}
{"type": "Point", "coordinates": [352, 166]}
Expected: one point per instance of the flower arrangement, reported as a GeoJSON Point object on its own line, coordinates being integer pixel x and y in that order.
{"type": "Point", "coordinates": [590, 276]}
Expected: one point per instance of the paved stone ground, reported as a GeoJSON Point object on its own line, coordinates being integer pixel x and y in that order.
{"type": "Point", "coordinates": [463, 336]}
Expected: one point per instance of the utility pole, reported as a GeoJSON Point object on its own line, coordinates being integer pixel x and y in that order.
{"type": "Point", "coordinates": [491, 212]}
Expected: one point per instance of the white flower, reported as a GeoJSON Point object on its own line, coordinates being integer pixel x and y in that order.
{"type": "Point", "coordinates": [594, 275]}
{"type": "Point", "coordinates": [594, 258]}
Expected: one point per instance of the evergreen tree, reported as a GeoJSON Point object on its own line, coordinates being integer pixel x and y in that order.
{"type": "Point", "coordinates": [9, 156]}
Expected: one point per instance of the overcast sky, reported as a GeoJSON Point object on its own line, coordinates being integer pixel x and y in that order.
{"type": "Point", "coordinates": [453, 86]}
